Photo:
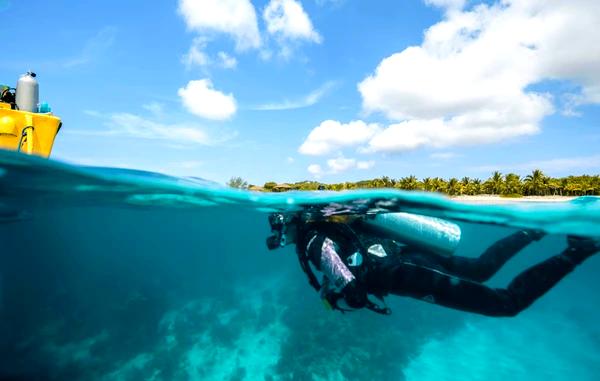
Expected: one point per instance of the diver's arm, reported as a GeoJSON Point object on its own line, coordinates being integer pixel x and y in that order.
{"type": "Point", "coordinates": [332, 265]}
{"type": "Point", "coordinates": [323, 253]}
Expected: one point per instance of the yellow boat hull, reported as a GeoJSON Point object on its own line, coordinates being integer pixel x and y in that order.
{"type": "Point", "coordinates": [27, 132]}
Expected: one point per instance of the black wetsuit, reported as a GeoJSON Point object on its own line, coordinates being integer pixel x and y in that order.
{"type": "Point", "coordinates": [454, 281]}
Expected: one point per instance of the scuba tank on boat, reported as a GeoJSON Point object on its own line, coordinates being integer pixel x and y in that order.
{"type": "Point", "coordinates": [430, 233]}
{"type": "Point", "coordinates": [26, 125]}
{"type": "Point", "coordinates": [27, 93]}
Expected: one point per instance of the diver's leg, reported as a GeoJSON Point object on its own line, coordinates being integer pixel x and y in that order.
{"type": "Point", "coordinates": [440, 288]}
{"type": "Point", "coordinates": [485, 266]}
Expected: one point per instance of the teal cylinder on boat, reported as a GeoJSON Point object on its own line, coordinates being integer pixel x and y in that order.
{"type": "Point", "coordinates": [430, 233]}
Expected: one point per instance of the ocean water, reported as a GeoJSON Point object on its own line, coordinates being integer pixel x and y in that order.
{"type": "Point", "coordinates": [111, 274]}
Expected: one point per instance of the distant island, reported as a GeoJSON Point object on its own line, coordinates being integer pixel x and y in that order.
{"type": "Point", "coordinates": [508, 185]}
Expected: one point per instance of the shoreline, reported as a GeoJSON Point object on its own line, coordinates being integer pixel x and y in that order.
{"type": "Point", "coordinates": [495, 199]}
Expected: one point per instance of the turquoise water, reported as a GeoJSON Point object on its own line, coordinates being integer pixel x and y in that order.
{"type": "Point", "coordinates": [110, 274]}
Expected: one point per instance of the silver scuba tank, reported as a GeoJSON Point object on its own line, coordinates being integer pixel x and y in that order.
{"type": "Point", "coordinates": [430, 233]}
{"type": "Point", "coordinates": [27, 92]}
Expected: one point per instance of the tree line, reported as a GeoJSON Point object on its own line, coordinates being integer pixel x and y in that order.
{"type": "Point", "coordinates": [510, 184]}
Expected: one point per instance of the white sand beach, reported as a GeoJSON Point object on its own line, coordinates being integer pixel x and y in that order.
{"type": "Point", "coordinates": [495, 199]}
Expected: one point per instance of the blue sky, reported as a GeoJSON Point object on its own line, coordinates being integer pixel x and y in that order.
{"type": "Point", "coordinates": [334, 90]}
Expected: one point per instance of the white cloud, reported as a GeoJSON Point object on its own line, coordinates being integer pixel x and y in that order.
{"type": "Point", "coordinates": [339, 164]}
{"type": "Point", "coordinates": [557, 165]}
{"type": "Point", "coordinates": [157, 109]}
{"type": "Point", "coordinates": [365, 164]}
{"type": "Point", "coordinates": [196, 55]}
{"type": "Point", "coordinates": [201, 99]}
{"type": "Point", "coordinates": [173, 135]}
{"type": "Point", "coordinates": [413, 134]}
{"type": "Point", "coordinates": [227, 61]}
{"type": "Point", "coordinates": [236, 18]}
{"type": "Point", "coordinates": [315, 169]}
{"type": "Point", "coordinates": [92, 113]}
{"type": "Point", "coordinates": [443, 155]}
{"type": "Point", "coordinates": [306, 101]}
{"type": "Point", "coordinates": [94, 48]}
{"type": "Point", "coordinates": [136, 126]}
{"type": "Point", "coordinates": [287, 19]}
{"type": "Point", "coordinates": [290, 160]}
{"type": "Point", "coordinates": [448, 4]}
{"type": "Point", "coordinates": [468, 82]}
{"type": "Point", "coordinates": [265, 54]}
{"type": "Point", "coordinates": [331, 135]}
{"type": "Point", "coordinates": [342, 164]}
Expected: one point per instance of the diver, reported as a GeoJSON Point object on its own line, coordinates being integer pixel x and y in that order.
{"type": "Point", "coordinates": [359, 270]}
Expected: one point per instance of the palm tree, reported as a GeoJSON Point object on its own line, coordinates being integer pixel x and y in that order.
{"type": "Point", "coordinates": [596, 183]}
{"type": "Point", "coordinates": [476, 186]}
{"type": "Point", "coordinates": [495, 184]}
{"type": "Point", "coordinates": [440, 185]}
{"type": "Point", "coordinates": [512, 184]}
{"type": "Point", "coordinates": [453, 188]}
{"type": "Point", "coordinates": [534, 183]}
{"type": "Point", "coordinates": [574, 186]}
{"type": "Point", "coordinates": [378, 183]}
{"type": "Point", "coordinates": [428, 184]}
{"type": "Point", "coordinates": [555, 186]}
{"type": "Point", "coordinates": [409, 183]}
{"type": "Point", "coordinates": [465, 182]}
{"type": "Point", "coordinates": [387, 182]}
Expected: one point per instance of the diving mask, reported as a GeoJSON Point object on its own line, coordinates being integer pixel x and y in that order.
{"type": "Point", "coordinates": [281, 229]}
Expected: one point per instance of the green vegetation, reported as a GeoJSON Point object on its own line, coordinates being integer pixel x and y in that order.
{"type": "Point", "coordinates": [270, 185]}
{"type": "Point", "coordinates": [237, 182]}
{"type": "Point", "coordinates": [506, 185]}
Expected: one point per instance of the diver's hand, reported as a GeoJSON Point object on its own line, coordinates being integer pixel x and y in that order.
{"type": "Point", "coordinates": [355, 295]}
